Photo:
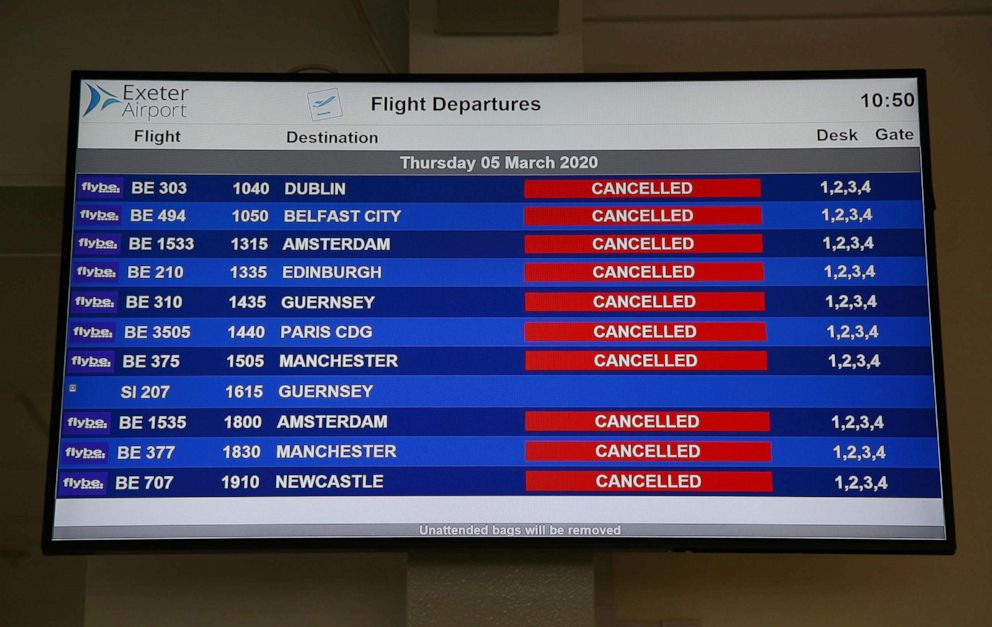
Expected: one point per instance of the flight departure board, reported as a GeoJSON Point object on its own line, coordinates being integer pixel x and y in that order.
{"type": "Point", "coordinates": [635, 311]}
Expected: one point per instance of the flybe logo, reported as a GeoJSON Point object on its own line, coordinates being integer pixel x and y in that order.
{"type": "Point", "coordinates": [82, 483]}
{"type": "Point", "coordinates": [133, 101]}
{"type": "Point", "coordinates": [85, 453]}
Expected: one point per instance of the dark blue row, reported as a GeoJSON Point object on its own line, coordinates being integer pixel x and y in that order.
{"type": "Point", "coordinates": [463, 188]}
{"type": "Point", "coordinates": [313, 217]}
{"type": "Point", "coordinates": [565, 391]}
{"type": "Point", "coordinates": [134, 333]}
{"type": "Point", "coordinates": [860, 422]}
{"type": "Point", "coordinates": [904, 483]}
{"type": "Point", "coordinates": [468, 361]}
{"type": "Point", "coordinates": [490, 272]}
{"type": "Point", "coordinates": [464, 244]}
{"type": "Point", "coordinates": [475, 451]}
{"type": "Point", "coordinates": [492, 302]}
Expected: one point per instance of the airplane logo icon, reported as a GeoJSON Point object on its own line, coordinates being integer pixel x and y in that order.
{"type": "Point", "coordinates": [324, 105]}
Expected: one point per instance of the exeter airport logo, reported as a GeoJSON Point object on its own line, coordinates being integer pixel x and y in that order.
{"type": "Point", "coordinates": [99, 97]}
{"type": "Point", "coordinates": [141, 101]}
{"type": "Point", "coordinates": [324, 104]}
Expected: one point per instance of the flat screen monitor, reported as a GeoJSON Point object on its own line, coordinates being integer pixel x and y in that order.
{"type": "Point", "coordinates": [382, 312]}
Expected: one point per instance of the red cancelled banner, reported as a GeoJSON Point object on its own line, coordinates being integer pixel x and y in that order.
{"type": "Point", "coordinates": [643, 188]}
{"type": "Point", "coordinates": [644, 301]}
{"type": "Point", "coordinates": [644, 272]}
{"type": "Point", "coordinates": [646, 481]}
{"type": "Point", "coordinates": [647, 451]}
{"type": "Point", "coordinates": [644, 331]}
{"type": "Point", "coordinates": [648, 421]}
{"type": "Point", "coordinates": [645, 360]}
{"type": "Point", "coordinates": [640, 216]}
{"type": "Point", "coordinates": [647, 244]}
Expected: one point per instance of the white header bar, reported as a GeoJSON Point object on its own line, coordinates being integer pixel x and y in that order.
{"type": "Point", "coordinates": [499, 116]}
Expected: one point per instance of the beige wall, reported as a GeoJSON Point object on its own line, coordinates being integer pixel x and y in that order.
{"type": "Point", "coordinates": [33, 590]}
{"type": "Point", "coordinates": [246, 590]}
{"type": "Point", "coordinates": [40, 42]}
{"type": "Point", "coordinates": [855, 590]}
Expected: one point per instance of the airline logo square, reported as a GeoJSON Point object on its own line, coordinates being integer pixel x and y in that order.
{"type": "Point", "coordinates": [85, 422]}
{"type": "Point", "coordinates": [97, 244]}
{"type": "Point", "coordinates": [82, 484]}
{"type": "Point", "coordinates": [90, 332]}
{"type": "Point", "coordinates": [93, 302]}
{"type": "Point", "coordinates": [324, 105]}
{"type": "Point", "coordinates": [93, 272]}
{"type": "Point", "coordinates": [92, 215]}
{"type": "Point", "coordinates": [88, 362]}
{"type": "Point", "coordinates": [90, 453]}
{"type": "Point", "coordinates": [100, 187]}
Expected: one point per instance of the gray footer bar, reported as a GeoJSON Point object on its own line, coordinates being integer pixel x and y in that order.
{"type": "Point", "coordinates": [488, 530]}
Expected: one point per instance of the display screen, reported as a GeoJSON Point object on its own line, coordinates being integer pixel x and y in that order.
{"type": "Point", "coordinates": [686, 312]}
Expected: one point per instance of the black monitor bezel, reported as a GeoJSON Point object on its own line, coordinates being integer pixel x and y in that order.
{"type": "Point", "coordinates": [946, 546]}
